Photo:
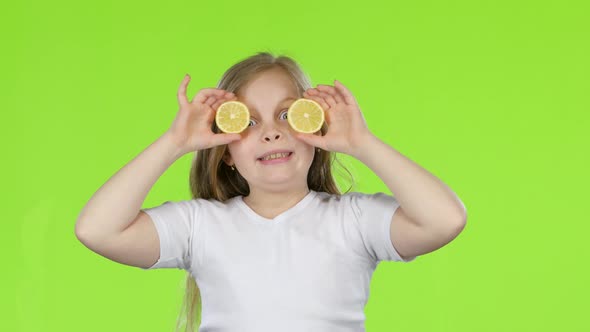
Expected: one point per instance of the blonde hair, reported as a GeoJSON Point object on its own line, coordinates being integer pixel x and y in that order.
{"type": "Point", "coordinates": [211, 178]}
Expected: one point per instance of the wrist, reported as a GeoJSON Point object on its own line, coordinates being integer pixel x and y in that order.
{"type": "Point", "coordinates": [364, 145]}
{"type": "Point", "coordinates": [173, 145]}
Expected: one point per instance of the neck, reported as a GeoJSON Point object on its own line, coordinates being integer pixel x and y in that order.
{"type": "Point", "coordinates": [272, 203]}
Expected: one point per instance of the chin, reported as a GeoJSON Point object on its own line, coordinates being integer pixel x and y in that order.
{"type": "Point", "coordinates": [278, 178]}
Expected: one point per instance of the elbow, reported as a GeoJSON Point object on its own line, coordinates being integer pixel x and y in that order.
{"type": "Point", "coordinates": [79, 232]}
{"type": "Point", "coordinates": [457, 223]}
{"type": "Point", "coordinates": [82, 233]}
{"type": "Point", "coordinates": [460, 222]}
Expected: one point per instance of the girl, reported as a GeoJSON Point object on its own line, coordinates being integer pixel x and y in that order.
{"type": "Point", "coordinates": [272, 244]}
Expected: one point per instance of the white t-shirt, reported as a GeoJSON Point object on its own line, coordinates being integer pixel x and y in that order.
{"type": "Point", "coordinates": [308, 269]}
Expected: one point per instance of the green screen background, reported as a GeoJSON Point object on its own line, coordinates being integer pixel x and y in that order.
{"type": "Point", "coordinates": [491, 97]}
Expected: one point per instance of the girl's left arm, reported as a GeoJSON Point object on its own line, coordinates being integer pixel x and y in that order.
{"type": "Point", "coordinates": [430, 213]}
{"type": "Point", "coordinates": [426, 200]}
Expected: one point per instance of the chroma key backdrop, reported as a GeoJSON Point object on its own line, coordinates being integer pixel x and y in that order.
{"type": "Point", "coordinates": [489, 96]}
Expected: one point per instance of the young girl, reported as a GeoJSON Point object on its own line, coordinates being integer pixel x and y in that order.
{"type": "Point", "coordinates": [272, 244]}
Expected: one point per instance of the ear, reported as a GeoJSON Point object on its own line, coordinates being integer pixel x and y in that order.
{"type": "Point", "coordinates": [227, 159]}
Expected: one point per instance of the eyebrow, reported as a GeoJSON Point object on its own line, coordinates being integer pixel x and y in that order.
{"type": "Point", "coordinates": [254, 111]}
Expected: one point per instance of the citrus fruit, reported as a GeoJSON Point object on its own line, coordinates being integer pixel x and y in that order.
{"type": "Point", "coordinates": [305, 116]}
{"type": "Point", "coordinates": [232, 117]}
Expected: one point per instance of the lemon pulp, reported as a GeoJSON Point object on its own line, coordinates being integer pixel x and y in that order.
{"type": "Point", "coordinates": [232, 117]}
{"type": "Point", "coordinates": [305, 116]}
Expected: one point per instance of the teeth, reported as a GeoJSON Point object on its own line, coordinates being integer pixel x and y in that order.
{"type": "Point", "coordinates": [276, 155]}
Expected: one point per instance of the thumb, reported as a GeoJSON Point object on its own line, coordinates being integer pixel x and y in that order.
{"type": "Point", "coordinates": [221, 139]}
{"type": "Point", "coordinates": [312, 139]}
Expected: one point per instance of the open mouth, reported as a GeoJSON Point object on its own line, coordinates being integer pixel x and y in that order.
{"type": "Point", "coordinates": [276, 157]}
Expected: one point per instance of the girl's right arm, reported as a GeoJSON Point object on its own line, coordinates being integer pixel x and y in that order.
{"type": "Point", "coordinates": [111, 223]}
{"type": "Point", "coordinates": [117, 202]}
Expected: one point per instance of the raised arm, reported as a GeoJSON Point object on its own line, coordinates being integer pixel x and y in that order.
{"type": "Point", "coordinates": [116, 206]}
{"type": "Point", "coordinates": [118, 201]}
{"type": "Point", "coordinates": [111, 223]}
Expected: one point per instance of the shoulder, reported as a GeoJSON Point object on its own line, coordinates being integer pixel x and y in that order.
{"type": "Point", "coordinates": [214, 202]}
{"type": "Point", "coordinates": [325, 196]}
{"type": "Point", "coordinates": [211, 204]}
{"type": "Point", "coordinates": [357, 203]}
{"type": "Point", "coordinates": [190, 206]}
{"type": "Point", "coordinates": [354, 196]}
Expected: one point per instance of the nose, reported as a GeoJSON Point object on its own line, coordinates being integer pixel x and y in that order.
{"type": "Point", "coordinates": [272, 133]}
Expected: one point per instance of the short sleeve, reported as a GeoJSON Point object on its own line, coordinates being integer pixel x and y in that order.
{"type": "Point", "coordinates": [373, 214]}
{"type": "Point", "coordinates": [174, 224]}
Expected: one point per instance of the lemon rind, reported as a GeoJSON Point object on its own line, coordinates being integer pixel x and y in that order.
{"type": "Point", "coordinates": [227, 130]}
{"type": "Point", "coordinates": [289, 112]}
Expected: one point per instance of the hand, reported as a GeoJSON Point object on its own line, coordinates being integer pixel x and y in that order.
{"type": "Point", "coordinates": [347, 129]}
{"type": "Point", "coordinates": [191, 129]}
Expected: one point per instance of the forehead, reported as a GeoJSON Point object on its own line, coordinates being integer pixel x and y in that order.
{"type": "Point", "coordinates": [267, 89]}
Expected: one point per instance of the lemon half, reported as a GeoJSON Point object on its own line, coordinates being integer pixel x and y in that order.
{"type": "Point", "coordinates": [305, 116]}
{"type": "Point", "coordinates": [232, 117]}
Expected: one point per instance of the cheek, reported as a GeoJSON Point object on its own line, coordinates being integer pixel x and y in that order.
{"type": "Point", "coordinates": [238, 150]}
{"type": "Point", "coordinates": [309, 151]}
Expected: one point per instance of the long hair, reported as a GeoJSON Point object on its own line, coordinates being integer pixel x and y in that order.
{"type": "Point", "coordinates": [211, 178]}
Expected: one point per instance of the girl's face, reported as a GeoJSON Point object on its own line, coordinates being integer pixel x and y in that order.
{"type": "Point", "coordinates": [268, 97]}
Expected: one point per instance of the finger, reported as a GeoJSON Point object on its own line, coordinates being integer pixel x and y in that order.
{"type": "Point", "coordinates": [331, 91]}
{"type": "Point", "coordinates": [203, 94]}
{"type": "Point", "coordinates": [311, 91]}
{"type": "Point", "coordinates": [348, 97]}
{"type": "Point", "coordinates": [220, 139]}
{"type": "Point", "coordinates": [218, 103]}
{"type": "Point", "coordinates": [210, 101]}
{"type": "Point", "coordinates": [320, 101]}
{"type": "Point", "coordinates": [182, 100]}
{"type": "Point", "coordinates": [311, 139]}
{"type": "Point", "coordinates": [308, 95]}
{"type": "Point", "coordinates": [328, 98]}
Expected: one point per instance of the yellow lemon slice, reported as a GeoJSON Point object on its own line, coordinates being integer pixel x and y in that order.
{"type": "Point", "coordinates": [232, 117]}
{"type": "Point", "coordinates": [305, 116]}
